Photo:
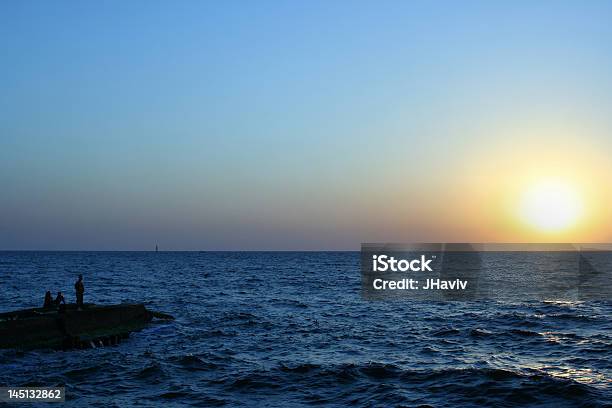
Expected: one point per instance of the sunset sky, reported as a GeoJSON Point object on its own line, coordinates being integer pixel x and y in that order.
{"type": "Point", "coordinates": [303, 125]}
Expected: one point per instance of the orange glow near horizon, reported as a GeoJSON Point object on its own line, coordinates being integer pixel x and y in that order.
{"type": "Point", "coordinates": [549, 192]}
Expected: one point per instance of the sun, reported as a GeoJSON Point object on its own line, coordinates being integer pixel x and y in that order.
{"type": "Point", "coordinates": [551, 205]}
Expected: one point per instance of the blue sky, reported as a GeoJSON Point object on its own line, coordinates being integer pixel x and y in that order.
{"type": "Point", "coordinates": [283, 125]}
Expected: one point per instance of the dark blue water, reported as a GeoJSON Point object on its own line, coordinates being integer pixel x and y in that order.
{"type": "Point", "coordinates": [291, 329]}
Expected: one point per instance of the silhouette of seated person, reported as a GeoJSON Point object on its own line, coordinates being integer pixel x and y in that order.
{"type": "Point", "coordinates": [59, 299]}
{"type": "Point", "coordinates": [48, 300]}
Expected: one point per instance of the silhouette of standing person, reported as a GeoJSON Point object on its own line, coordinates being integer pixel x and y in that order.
{"type": "Point", "coordinates": [80, 289]}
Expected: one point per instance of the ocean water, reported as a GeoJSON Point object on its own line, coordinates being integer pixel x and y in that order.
{"type": "Point", "coordinates": [292, 329]}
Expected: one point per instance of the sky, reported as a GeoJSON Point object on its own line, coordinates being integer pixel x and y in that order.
{"type": "Point", "coordinates": [286, 125]}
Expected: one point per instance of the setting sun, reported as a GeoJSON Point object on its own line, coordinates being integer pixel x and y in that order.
{"type": "Point", "coordinates": [551, 205]}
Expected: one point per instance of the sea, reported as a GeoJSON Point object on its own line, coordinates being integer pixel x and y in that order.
{"type": "Point", "coordinates": [293, 329]}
